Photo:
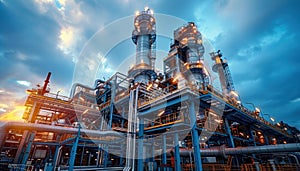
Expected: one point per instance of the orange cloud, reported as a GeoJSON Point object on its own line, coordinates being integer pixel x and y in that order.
{"type": "Point", "coordinates": [14, 115]}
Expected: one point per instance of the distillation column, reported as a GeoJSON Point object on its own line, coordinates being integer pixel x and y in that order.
{"type": "Point", "coordinates": [144, 36]}
{"type": "Point", "coordinates": [190, 50]}
{"type": "Point", "coordinates": [221, 67]}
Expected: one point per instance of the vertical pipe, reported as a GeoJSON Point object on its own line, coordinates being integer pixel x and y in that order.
{"type": "Point", "coordinates": [82, 153]}
{"type": "Point", "coordinates": [73, 151]}
{"type": "Point", "coordinates": [140, 145]}
{"type": "Point", "coordinates": [177, 154]}
{"type": "Point", "coordinates": [164, 157]}
{"type": "Point", "coordinates": [122, 126]}
{"type": "Point", "coordinates": [89, 160]}
{"type": "Point", "coordinates": [153, 152]}
{"type": "Point", "coordinates": [98, 155]}
{"type": "Point", "coordinates": [122, 155]}
{"type": "Point", "coordinates": [123, 113]}
{"type": "Point", "coordinates": [112, 100]}
{"type": "Point", "coordinates": [195, 138]}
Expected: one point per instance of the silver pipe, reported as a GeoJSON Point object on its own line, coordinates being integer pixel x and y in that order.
{"type": "Point", "coordinates": [221, 151]}
{"type": "Point", "coordinates": [52, 128]}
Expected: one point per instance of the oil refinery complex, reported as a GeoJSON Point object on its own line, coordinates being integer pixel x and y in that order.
{"type": "Point", "coordinates": [144, 120]}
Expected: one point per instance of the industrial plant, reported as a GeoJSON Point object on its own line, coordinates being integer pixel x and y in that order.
{"type": "Point", "coordinates": [174, 120]}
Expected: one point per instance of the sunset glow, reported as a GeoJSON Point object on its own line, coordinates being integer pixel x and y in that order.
{"type": "Point", "coordinates": [14, 115]}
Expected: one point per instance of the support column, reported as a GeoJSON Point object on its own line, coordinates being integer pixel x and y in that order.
{"type": "Point", "coordinates": [177, 154]}
{"type": "Point", "coordinates": [231, 141]}
{"type": "Point", "coordinates": [98, 155]}
{"type": "Point", "coordinates": [164, 148]}
{"type": "Point", "coordinates": [252, 137]}
{"type": "Point", "coordinates": [18, 157]}
{"type": "Point", "coordinates": [82, 153]}
{"type": "Point", "coordinates": [227, 128]}
{"type": "Point", "coordinates": [112, 101]}
{"type": "Point", "coordinates": [266, 140]}
{"type": "Point", "coordinates": [195, 138]}
{"type": "Point", "coordinates": [141, 144]}
{"type": "Point", "coordinates": [28, 148]}
{"type": "Point", "coordinates": [73, 151]}
{"type": "Point", "coordinates": [57, 152]}
{"type": "Point", "coordinates": [105, 156]}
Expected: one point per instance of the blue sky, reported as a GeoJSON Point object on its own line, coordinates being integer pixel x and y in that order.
{"type": "Point", "coordinates": [259, 39]}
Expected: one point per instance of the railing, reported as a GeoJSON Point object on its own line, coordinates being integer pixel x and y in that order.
{"type": "Point", "coordinates": [164, 120]}
{"type": "Point", "coordinates": [21, 167]}
{"type": "Point", "coordinates": [268, 167]}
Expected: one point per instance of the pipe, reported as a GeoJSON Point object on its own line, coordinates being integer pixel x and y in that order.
{"type": "Point", "coordinates": [74, 86]}
{"type": "Point", "coordinates": [56, 129]}
{"type": "Point", "coordinates": [221, 151]}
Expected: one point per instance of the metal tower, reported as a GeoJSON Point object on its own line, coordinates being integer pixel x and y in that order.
{"type": "Point", "coordinates": [144, 36]}
{"type": "Point", "coordinates": [222, 68]}
{"type": "Point", "coordinates": [186, 56]}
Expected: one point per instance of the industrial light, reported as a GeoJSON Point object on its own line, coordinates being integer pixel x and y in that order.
{"type": "Point", "coordinates": [149, 86]}
{"type": "Point", "coordinates": [160, 113]}
{"type": "Point", "coordinates": [234, 93]}
{"type": "Point", "coordinates": [272, 119]}
{"type": "Point", "coordinates": [84, 112]}
{"type": "Point", "coordinates": [257, 110]}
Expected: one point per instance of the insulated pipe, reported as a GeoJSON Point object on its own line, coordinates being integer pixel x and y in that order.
{"type": "Point", "coordinates": [51, 128]}
{"type": "Point", "coordinates": [221, 151]}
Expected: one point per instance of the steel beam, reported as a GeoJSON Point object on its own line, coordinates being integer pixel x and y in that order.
{"type": "Point", "coordinates": [73, 151]}
{"type": "Point", "coordinates": [28, 149]}
{"type": "Point", "coordinates": [227, 128]}
{"type": "Point", "coordinates": [177, 153]}
{"type": "Point", "coordinates": [195, 137]}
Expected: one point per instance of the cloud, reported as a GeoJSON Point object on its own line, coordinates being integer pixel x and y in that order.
{"type": "Point", "coordinates": [24, 83]}
{"type": "Point", "coordinates": [296, 100]}
{"type": "Point", "coordinates": [67, 39]}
